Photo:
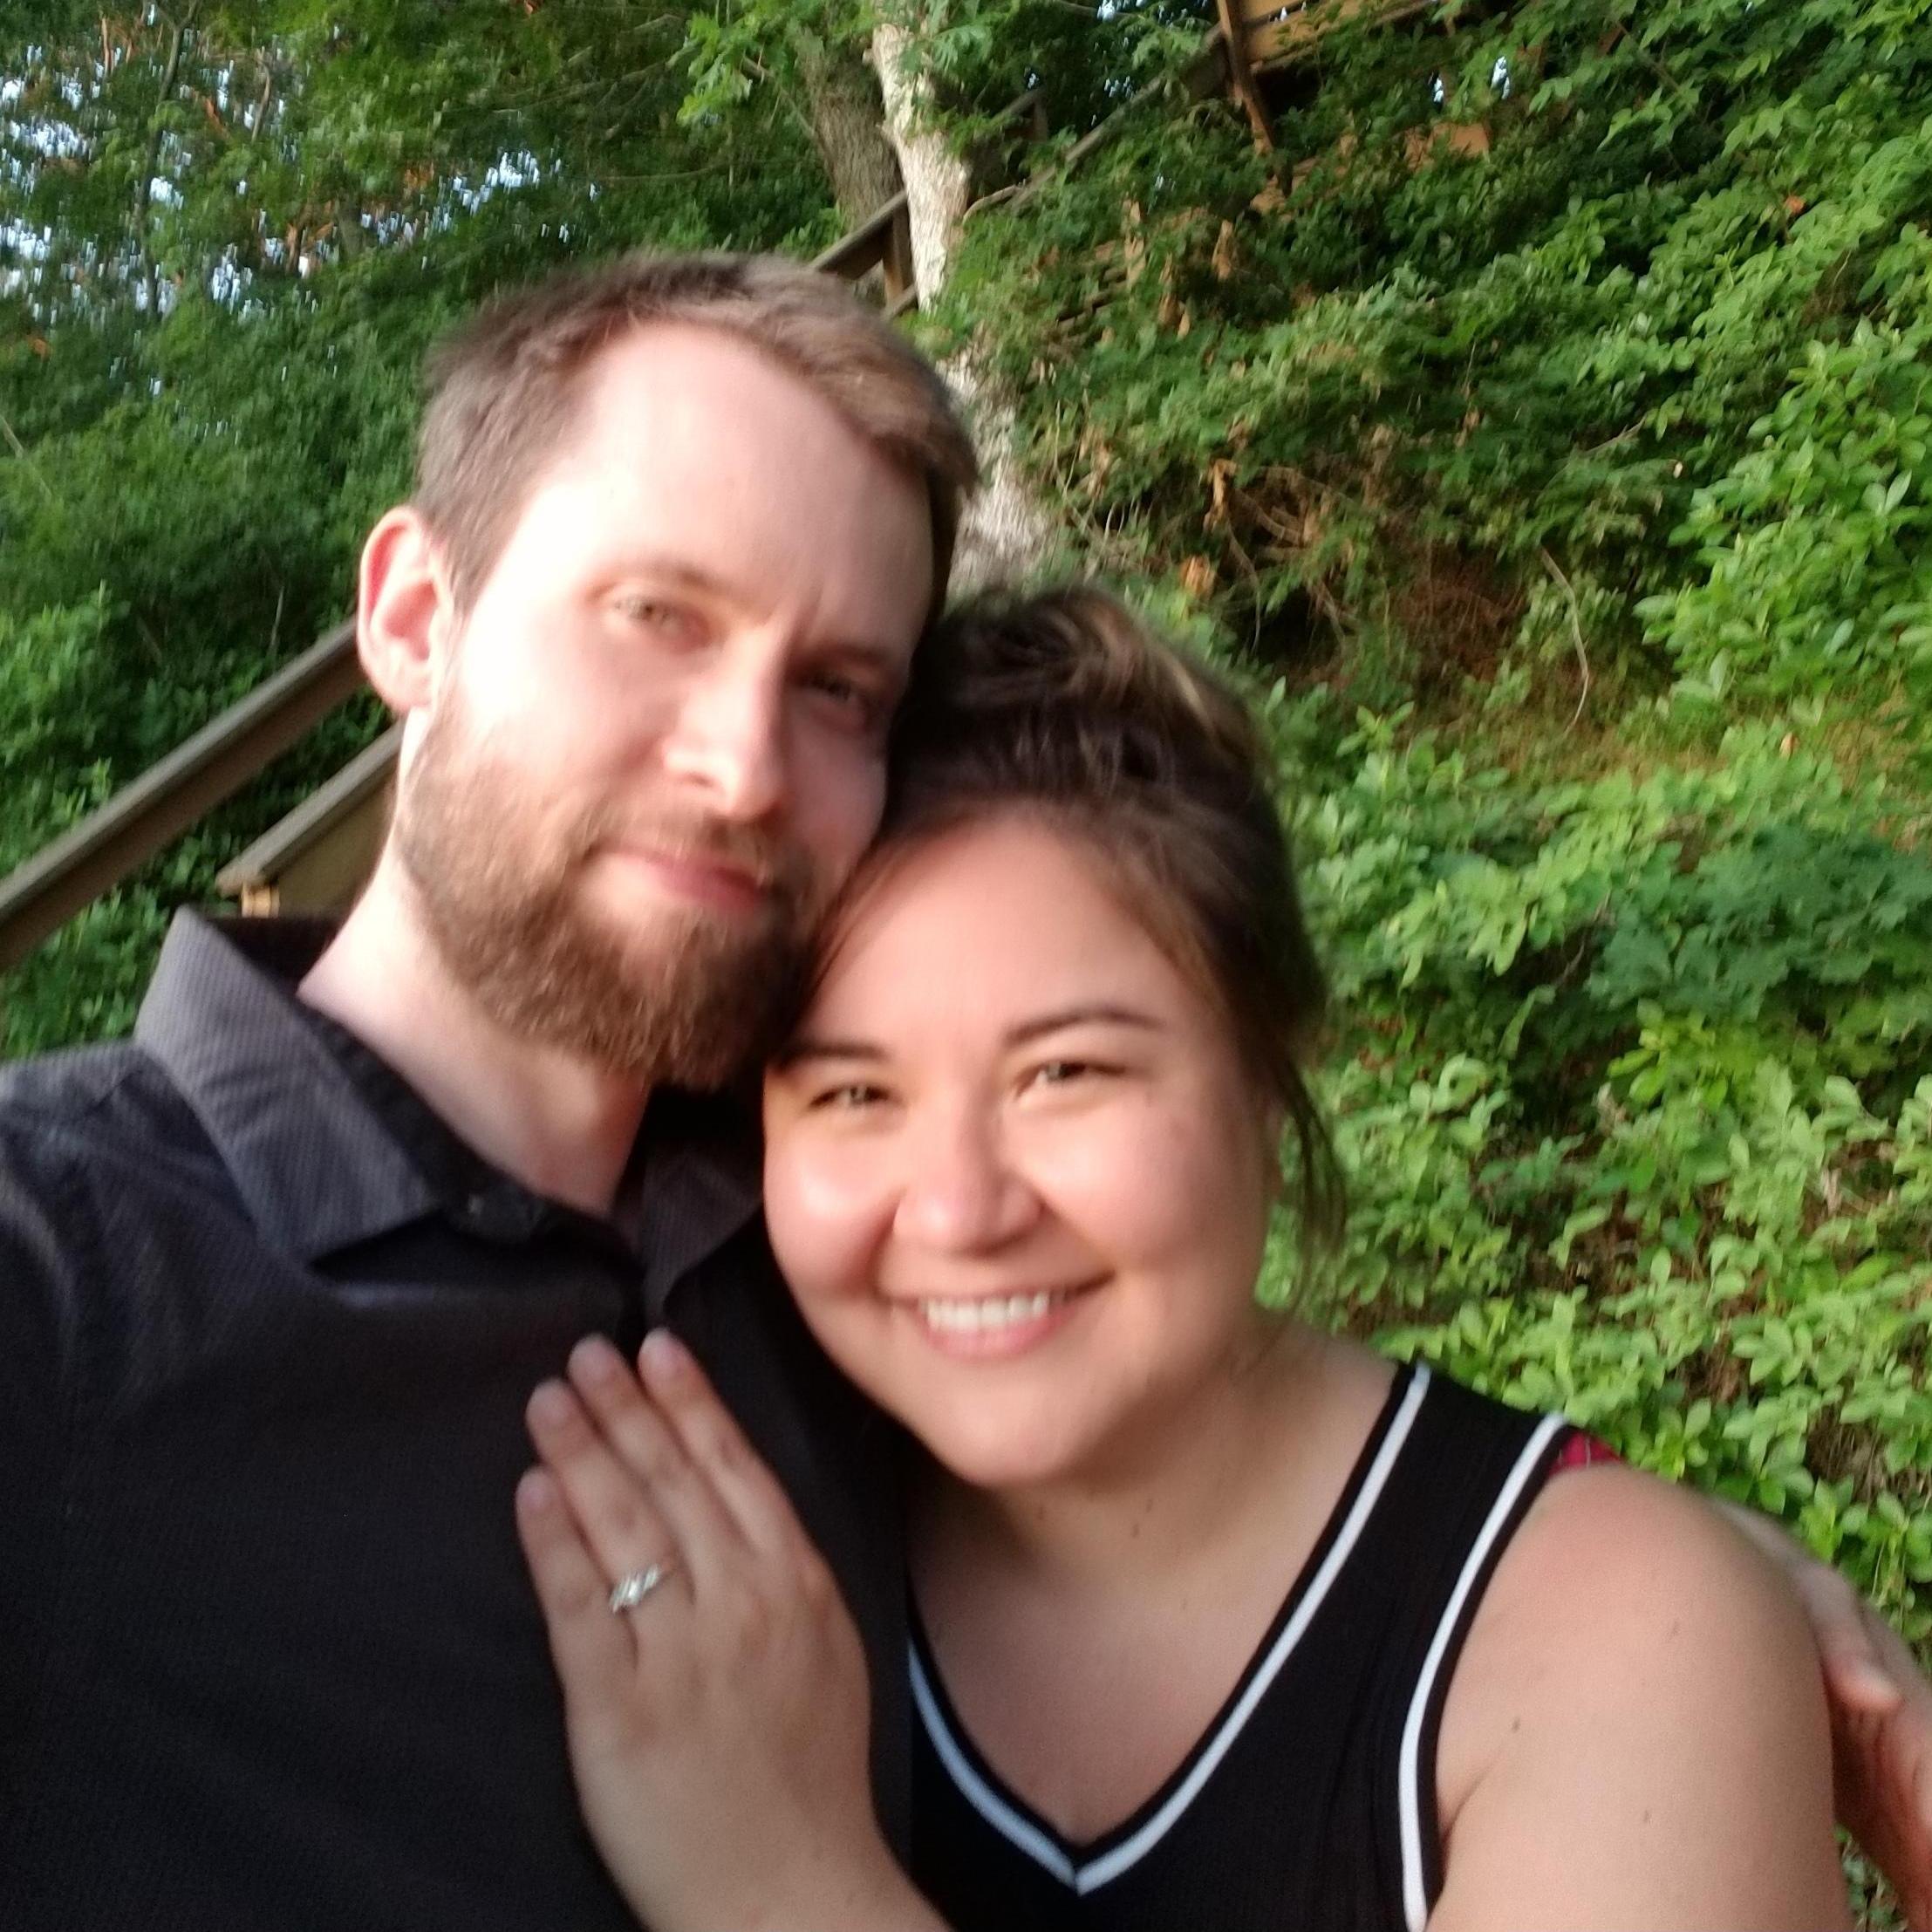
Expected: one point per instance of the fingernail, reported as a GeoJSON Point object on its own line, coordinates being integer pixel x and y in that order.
{"type": "Point", "coordinates": [596, 1359]}
{"type": "Point", "coordinates": [1875, 1681]}
{"type": "Point", "coordinates": [536, 1493]}
{"type": "Point", "coordinates": [551, 1405]}
{"type": "Point", "coordinates": [663, 1357]}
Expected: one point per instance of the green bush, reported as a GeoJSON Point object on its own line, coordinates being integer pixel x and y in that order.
{"type": "Point", "coordinates": [1630, 1083]}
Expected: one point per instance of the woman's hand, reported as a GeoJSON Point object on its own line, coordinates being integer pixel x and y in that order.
{"type": "Point", "coordinates": [1881, 1718]}
{"type": "Point", "coordinates": [719, 1726]}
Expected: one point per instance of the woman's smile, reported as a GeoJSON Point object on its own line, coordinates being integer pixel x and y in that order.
{"type": "Point", "coordinates": [995, 1326]}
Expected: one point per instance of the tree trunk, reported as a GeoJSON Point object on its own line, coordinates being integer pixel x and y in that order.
{"type": "Point", "coordinates": [1007, 532]}
{"type": "Point", "coordinates": [842, 100]}
{"type": "Point", "coordinates": [937, 186]}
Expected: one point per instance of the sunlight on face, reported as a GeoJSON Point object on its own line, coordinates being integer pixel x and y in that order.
{"type": "Point", "coordinates": [1015, 1172]}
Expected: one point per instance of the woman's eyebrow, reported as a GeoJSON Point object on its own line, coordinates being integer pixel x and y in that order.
{"type": "Point", "coordinates": [1092, 1015]}
{"type": "Point", "coordinates": [796, 1051]}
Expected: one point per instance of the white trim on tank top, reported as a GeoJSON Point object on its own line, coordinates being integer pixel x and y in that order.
{"type": "Point", "coordinates": [1415, 1897]}
{"type": "Point", "coordinates": [1026, 1836]}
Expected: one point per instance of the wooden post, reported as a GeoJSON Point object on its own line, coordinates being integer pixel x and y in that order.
{"type": "Point", "coordinates": [900, 281]}
{"type": "Point", "coordinates": [1240, 72]}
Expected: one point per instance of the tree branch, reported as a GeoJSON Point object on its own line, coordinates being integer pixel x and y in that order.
{"type": "Point", "coordinates": [1576, 630]}
{"type": "Point", "coordinates": [144, 190]}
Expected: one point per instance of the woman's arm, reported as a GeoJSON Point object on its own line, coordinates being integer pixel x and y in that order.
{"type": "Point", "coordinates": [1637, 1732]}
{"type": "Point", "coordinates": [718, 1724]}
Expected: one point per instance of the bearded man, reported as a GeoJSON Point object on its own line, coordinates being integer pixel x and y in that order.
{"type": "Point", "coordinates": [278, 1278]}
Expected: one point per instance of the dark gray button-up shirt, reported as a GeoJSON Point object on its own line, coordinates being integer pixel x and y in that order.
{"type": "Point", "coordinates": [269, 1655]}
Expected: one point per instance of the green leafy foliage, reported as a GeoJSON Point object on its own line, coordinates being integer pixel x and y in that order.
{"type": "Point", "coordinates": [1633, 302]}
{"type": "Point", "coordinates": [1626, 1086]}
{"type": "Point", "coordinates": [1815, 541]}
{"type": "Point", "coordinates": [981, 54]}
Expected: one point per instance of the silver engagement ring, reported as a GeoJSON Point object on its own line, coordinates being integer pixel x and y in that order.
{"type": "Point", "coordinates": [631, 1590]}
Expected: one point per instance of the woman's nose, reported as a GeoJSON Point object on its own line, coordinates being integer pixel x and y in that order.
{"type": "Point", "coordinates": [960, 1193]}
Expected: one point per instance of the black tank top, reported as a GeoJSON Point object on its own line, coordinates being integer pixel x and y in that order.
{"type": "Point", "coordinates": [1309, 1803]}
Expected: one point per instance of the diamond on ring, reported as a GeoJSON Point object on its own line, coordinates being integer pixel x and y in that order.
{"type": "Point", "coordinates": [631, 1590]}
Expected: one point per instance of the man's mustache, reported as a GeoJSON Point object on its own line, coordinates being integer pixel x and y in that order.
{"type": "Point", "coordinates": [771, 863]}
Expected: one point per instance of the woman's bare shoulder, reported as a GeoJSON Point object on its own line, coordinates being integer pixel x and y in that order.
{"type": "Point", "coordinates": [1636, 1730]}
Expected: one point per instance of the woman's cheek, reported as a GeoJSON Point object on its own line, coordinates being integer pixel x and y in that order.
{"type": "Point", "coordinates": [1129, 1178]}
{"type": "Point", "coordinates": [827, 1207]}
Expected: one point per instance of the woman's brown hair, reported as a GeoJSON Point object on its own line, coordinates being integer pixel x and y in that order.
{"type": "Point", "coordinates": [1065, 706]}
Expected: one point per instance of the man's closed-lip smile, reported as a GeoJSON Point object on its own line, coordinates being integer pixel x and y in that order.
{"type": "Point", "coordinates": [721, 883]}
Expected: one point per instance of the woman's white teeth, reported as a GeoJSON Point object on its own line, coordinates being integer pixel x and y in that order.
{"type": "Point", "coordinates": [998, 1311]}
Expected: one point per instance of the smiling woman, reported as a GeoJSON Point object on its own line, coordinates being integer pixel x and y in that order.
{"type": "Point", "coordinates": [1216, 1618]}
{"type": "Point", "coordinates": [1048, 1153]}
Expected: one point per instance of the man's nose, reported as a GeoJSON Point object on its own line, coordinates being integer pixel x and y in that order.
{"type": "Point", "coordinates": [961, 1194]}
{"type": "Point", "coordinates": [727, 741]}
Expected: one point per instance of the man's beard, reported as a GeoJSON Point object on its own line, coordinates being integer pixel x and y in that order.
{"type": "Point", "coordinates": [687, 996]}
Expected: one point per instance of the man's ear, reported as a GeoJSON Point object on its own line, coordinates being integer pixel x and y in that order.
{"type": "Point", "coordinates": [406, 616]}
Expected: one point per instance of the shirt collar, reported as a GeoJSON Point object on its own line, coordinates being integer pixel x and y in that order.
{"type": "Point", "coordinates": [328, 1145]}
{"type": "Point", "coordinates": [695, 1181]}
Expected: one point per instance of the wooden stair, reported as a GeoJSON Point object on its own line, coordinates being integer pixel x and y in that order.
{"type": "Point", "coordinates": [1279, 36]}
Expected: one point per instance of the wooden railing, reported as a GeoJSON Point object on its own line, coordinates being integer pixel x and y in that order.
{"type": "Point", "coordinates": [168, 799]}
{"type": "Point", "coordinates": [319, 854]}
{"type": "Point", "coordinates": [1264, 35]}
{"type": "Point", "coordinates": [884, 241]}
{"type": "Point", "coordinates": [313, 858]}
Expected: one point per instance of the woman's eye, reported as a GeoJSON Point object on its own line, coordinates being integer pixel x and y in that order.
{"type": "Point", "coordinates": [1061, 1073]}
{"type": "Point", "coordinates": [850, 1098]}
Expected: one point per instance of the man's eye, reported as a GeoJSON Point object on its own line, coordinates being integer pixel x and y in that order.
{"type": "Point", "coordinates": [854, 702]}
{"type": "Point", "coordinates": [655, 614]}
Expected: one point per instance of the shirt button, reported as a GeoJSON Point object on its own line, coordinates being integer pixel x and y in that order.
{"type": "Point", "coordinates": [495, 1217]}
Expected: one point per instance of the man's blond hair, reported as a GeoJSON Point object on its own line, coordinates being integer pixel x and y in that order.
{"type": "Point", "coordinates": [502, 388]}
